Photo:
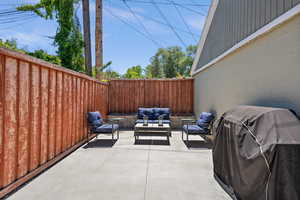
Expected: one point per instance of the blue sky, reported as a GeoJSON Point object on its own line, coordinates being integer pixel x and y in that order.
{"type": "Point", "coordinates": [122, 45]}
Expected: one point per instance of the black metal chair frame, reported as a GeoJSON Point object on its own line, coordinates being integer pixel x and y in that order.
{"type": "Point", "coordinates": [108, 121]}
{"type": "Point", "coordinates": [194, 122]}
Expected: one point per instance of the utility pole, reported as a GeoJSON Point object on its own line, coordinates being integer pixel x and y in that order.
{"type": "Point", "coordinates": [98, 38]}
{"type": "Point", "coordinates": [87, 36]}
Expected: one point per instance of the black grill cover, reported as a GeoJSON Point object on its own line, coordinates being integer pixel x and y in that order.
{"type": "Point", "coordinates": [256, 153]}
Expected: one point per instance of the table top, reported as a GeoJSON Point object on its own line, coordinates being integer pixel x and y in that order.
{"type": "Point", "coordinates": [117, 119]}
{"type": "Point", "coordinates": [188, 119]}
{"type": "Point", "coordinates": [152, 125]}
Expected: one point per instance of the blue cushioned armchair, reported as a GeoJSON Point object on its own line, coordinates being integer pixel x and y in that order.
{"type": "Point", "coordinates": [202, 126]}
{"type": "Point", "coordinates": [97, 126]}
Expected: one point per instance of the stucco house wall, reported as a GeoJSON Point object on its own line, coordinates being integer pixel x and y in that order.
{"type": "Point", "coordinates": [264, 72]}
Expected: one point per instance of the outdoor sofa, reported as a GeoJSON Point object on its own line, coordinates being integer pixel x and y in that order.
{"type": "Point", "coordinates": [202, 126]}
{"type": "Point", "coordinates": [153, 115]}
{"type": "Point", "coordinates": [98, 126]}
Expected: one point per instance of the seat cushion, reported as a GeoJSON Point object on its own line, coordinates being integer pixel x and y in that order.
{"type": "Point", "coordinates": [203, 124]}
{"type": "Point", "coordinates": [195, 129]}
{"type": "Point", "coordinates": [97, 123]}
{"type": "Point", "coordinates": [106, 128]}
{"type": "Point", "coordinates": [145, 111]}
{"type": "Point", "coordinates": [206, 117]}
{"type": "Point", "coordinates": [165, 112]}
{"type": "Point", "coordinates": [93, 116]}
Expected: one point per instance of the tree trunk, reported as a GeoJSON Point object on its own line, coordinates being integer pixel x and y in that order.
{"type": "Point", "coordinates": [87, 36]}
{"type": "Point", "coordinates": [98, 38]}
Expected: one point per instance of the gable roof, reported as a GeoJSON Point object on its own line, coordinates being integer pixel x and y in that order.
{"type": "Point", "coordinates": [231, 24]}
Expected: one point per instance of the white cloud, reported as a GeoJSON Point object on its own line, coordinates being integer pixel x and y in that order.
{"type": "Point", "coordinates": [122, 13]}
{"type": "Point", "coordinates": [196, 23]}
{"type": "Point", "coordinates": [25, 40]}
{"type": "Point", "coordinates": [33, 35]}
{"type": "Point", "coordinates": [152, 27]}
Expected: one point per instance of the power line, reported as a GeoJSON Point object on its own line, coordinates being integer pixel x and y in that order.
{"type": "Point", "coordinates": [166, 3]}
{"type": "Point", "coordinates": [6, 15]}
{"type": "Point", "coordinates": [138, 19]}
{"type": "Point", "coordinates": [183, 20]}
{"type": "Point", "coordinates": [14, 21]}
{"type": "Point", "coordinates": [12, 16]}
{"type": "Point", "coordinates": [190, 9]}
{"type": "Point", "coordinates": [10, 12]}
{"type": "Point", "coordinates": [163, 23]}
{"type": "Point", "coordinates": [15, 18]}
{"type": "Point", "coordinates": [3, 29]}
{"type": "Point", "coordinates": [132, 27]}
{"type": "Point", "coordinates": [201, 8]}
{"type": "Point", "coordinates": [169, 24]}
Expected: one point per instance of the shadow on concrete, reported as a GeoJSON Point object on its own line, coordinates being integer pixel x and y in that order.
{"type": "Point", "coordinates": [152, 142]}
{"type": "Point", "coordinates": [197, 144]}
{"type": "Point", "coordinates": [100, 143]}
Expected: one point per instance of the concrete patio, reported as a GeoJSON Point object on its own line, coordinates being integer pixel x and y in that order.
{"type": "Point", "coordinates": [151, 169]}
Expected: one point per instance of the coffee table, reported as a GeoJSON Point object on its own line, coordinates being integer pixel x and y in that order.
{"type": "Point", "coordinates": [152, 129]}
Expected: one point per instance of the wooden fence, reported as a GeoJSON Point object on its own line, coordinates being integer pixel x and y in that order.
{"type": "Point", "coordinates": [126, 96]}
{"type": "Point", "coordinates": [43, 107]}
{"type": "Point", "coordinates": [42, 115]}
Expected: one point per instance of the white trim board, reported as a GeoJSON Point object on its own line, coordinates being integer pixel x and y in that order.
{"type": "Point", "coordinates": [265, 29]}
{"type": "Point", "coordinates": [208, 22]}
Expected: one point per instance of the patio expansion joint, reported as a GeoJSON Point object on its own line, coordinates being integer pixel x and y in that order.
{"type": "Point", "coordinates": [147, 172]}
{"type": "Point", "coordinates": [107, 158]}
{"type": "Point", "coordinates": [163, 150]}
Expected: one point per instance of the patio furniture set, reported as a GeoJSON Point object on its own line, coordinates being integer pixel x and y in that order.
{"type": "Point", "coordinates": [151, 122]}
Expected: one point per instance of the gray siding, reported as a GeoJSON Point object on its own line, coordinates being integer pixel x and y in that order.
{"type": "Point", "coordinates": [263, 73]}
{"type": "Point", "coordinates": [234, 20]}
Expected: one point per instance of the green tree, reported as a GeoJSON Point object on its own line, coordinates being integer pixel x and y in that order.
{"type": "Point", "coordinates": [171, 62]}
{"type": "Point", "coordinates": [134, 72]}
{"type": "Point", "coordinates": [155, 69]}
{"type": "Point", "coordinates": [187, 62]}
{"type": "Point", "coordinates": [68, 37]}
{"type": "Point", "coordinates": [11, 44]}
{"type": "Point", "coordinates": [41, 54]}
{"type": "Point", "coordinates": [110, 74]}
{"type": "Point", "coordinates": [148, 71]}
{"type": "Point", "coordinates": [101, 70]}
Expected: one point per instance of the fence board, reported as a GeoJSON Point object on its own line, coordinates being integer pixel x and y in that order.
{"type": "Point", "coordinates": [80, 112]}
{"type": "Point", "coordinates": [52, 115]}
{"type": "Point", "coordinates": [35, 107]}
{"type": "Point", "coordinates": [23, 131]}
{"type": "Point", "coordinates": [70, 112]}
{"type": "Point", "coordinates": [42, 114]}
{"type": "Point", "coordinates": [77, 111]}
{"type": "Point", "coordinates": [86, 102]}
{"type": "Point", "coordinates": [126, 96]}
{"type": "Point", "coordinates": [2, 86]}
{"type": "Point", "coordinates": [73, 110]}
{"type": "Point", "coordinates": [10, 120]}
{"type": "Point", "coordinates": [58, 107]}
